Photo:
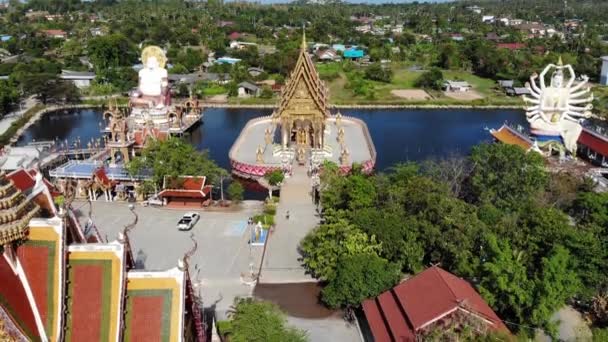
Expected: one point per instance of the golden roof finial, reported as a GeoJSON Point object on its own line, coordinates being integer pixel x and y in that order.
{"type": "Point", "coordinates": [304, 46]}
{"type": "Point", "coordinates": [560, 62]}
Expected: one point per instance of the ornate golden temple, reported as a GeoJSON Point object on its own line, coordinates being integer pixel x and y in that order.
{"type": "Point", "coordinates": [303, 108]}
{"type": "Point", "coordinates": [302, 130]}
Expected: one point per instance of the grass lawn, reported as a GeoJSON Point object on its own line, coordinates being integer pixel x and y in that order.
{"type": "Point", "coordinates": [214, 89]}
{"type": "Point", "coordinates": [405, 79]}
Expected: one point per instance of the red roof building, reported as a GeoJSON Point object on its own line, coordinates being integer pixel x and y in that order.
{"type": "Point", "coordinates": [511, 46]}
{"type": "Point", "coordinates": [189, 191]}
{"type": "Point", "coordinates": [591, 141]}
{"type": "Point", "coordinates": [234, 36]}
{"type": "Point", "coordinates": [426, 301]}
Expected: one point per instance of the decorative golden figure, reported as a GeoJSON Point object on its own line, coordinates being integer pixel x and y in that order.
{"type": "Point", "coordinates": [338, 119]}
{"type": "Point", "coordinates": [345, 157]}
{"type": "Point", "coordinates": [259, 155]}
{"type": "Point", "coordinates": [268, 136]}
{"type": "Point", "coordinates": [341, 135]}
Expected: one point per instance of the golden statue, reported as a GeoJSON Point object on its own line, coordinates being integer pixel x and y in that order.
{"type": "Point", "coordinates": [268, 136]}
{"type": "Point", "coordinates": [345, 157]}
{"type": "Point", "coordinates": [259, 155]}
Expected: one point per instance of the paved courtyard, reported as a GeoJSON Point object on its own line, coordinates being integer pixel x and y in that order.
{"type": "Point", "coordinates": [221, 257]}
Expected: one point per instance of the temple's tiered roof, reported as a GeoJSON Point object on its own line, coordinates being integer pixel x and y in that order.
{"type": "Point", "coordinates": [96, 276]}
{"type": "Point", "coordinates": [155, 306]}
{"type": "Point", "coordinates": [15, 211]}
{"type": "Point", "coordinates": [42, 261]}
{"type": "Point", "coordinates": [304, 90]}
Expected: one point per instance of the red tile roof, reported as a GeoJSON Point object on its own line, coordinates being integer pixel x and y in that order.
{"type": "Point", "coordinates": [22, 179]}
{"type": "Point", "coordinates": [594, 141]}
{"type": "Point", "coordinates": [511, 46]}
{"type": "Point", "coordinates": [87, 297]}
{"type": "Point", "coordinates": [35, 260]}
{"type": "Point", "coordinates": [14, 301]}
{"type": "Point", "coordinates": [189, 186]}
{"type": "Point", "coordinates": [422, 300]}
{"type": "Point", "coordinates": [234, 35]}
{"type": "Point", "coordinates": [101, 175]}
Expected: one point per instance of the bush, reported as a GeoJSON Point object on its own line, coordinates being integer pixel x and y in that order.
{"type": "Point", "coordinates": [270, 209]}
{"type": "Point", "coordinates": [266, 92]}
{"type": "Point", "coordinates": [267, 220]}
{"type": "Point", "coordinates": [274, 177]}
{"type": "Point", "coordinates": [376, 72]}
{"type": "Point", "coordinates": [258, 321]}
{"type": "Point", "coordinates": [236, 191]}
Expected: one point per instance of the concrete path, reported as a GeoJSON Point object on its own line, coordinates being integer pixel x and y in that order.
{"type": "Point", "coordinates": [9, 118]}
{"type": "Point", "coordinates": [282, 260]}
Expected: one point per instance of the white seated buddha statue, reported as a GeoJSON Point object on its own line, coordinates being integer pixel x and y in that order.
{"type": "Point", "coordinates": [153, 90]}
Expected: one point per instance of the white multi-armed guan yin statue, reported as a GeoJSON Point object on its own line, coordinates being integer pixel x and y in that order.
{"type": "Point", "coordinates": [556, 111]}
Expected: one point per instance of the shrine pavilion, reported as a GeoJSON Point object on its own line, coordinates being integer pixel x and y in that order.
{"type": "Point", "coordinates": [62, 282]}
{"type": "Point", "coordinates": [302, 130]}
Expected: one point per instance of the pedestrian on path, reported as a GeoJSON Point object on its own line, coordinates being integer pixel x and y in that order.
{"type": "Point", "coordinates": [287, 215]}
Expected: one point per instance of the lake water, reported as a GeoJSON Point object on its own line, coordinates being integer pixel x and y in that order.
{"type": "Point", "coordinates": [398, 134]}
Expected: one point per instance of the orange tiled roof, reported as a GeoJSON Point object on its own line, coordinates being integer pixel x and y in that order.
{"type": "Point", "coordinates": [508, 135]}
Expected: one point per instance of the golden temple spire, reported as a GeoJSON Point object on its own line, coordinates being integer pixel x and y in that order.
{"type": "Point", "coordinates": [304, 45]}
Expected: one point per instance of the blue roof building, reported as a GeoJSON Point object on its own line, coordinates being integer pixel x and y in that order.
{"type": "Point", "coordinates": [353, 53]}
{"type": "Point", "coordinates": [5, 37]}
{"type": "Point", "coordinates": [338, 47]}
{"type": "Point", "coordinates": [227, 60]}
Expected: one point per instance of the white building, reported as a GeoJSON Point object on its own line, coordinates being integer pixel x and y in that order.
{"type": "Point", "coordinates": [604, 74]}
{"type": "Point", "coordinates": [456, 86]}
{"type": "Point", "coordinates": [489, 19]}
{"type": "Point", "coordinates": [240, 45]}
{"type": "Point", "coordinates": [79, 78]}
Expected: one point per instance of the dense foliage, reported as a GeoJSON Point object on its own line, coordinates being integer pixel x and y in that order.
{"type": "Point", "coordinates": [174, 157]}
{"type": "Point", "coordinates": [257, 321]}
{"type": "Point", "coordinates": [501, 228]}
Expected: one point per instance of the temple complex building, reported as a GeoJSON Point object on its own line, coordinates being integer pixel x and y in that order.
{"type": "Point", "coordinates": [302, 130]}
{"type": "Point", "coordinates": [63, 282]}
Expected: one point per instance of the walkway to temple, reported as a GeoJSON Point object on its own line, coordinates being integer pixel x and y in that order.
{"type": "Point", "coordinates": [281, 262]}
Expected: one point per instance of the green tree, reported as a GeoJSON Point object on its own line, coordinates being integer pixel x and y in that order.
{"type": "Point", "coordinates": [174, 157]}
{"type": "Point", "coordinates": [432, 79]}
{"type": "Point", "coordinates": [236, 191]}
{"type": "Point", "coordinates": [9, 95]}
{"type": "Point", "coordinates": [323, 246]}
{"type": "Point", "coordinates": [266, 92]}
{"type": "Point", "coordinates": [377, 72]}
{"type": "Point", "coordinates": [506, 175]}
{"type": "Point", "coordinates": [504, 281]}
{"type": "Point", "coordinates": [359, 277]}
{"type": "Point", "coordinates": [258, 321]}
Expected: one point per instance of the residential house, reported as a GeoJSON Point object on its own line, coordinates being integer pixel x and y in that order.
{"type": "Point", "coordinates": [234, 36]}
{"type": "Point", "coordinates": [236, 45]}
{"type": "Point", "coordinates": [475, 9]}
{"type": "Point", "coordinates": [353, 53]}
{"type": "Point", "coordinates": [339, 47]}
{"type": "Point", "coordinates": [398, 29]}
{"type": "Point", "coordinates": [511, 46]}
{"type": "Point", "coordinates": [247, 89]}
{"type": "Point", "coordinates": [5, 37]}
{"type": "Point", "coordinates": [58, 34]}
{"type": "Point", "coordinates": [34, 15]}
{"type": "Point", "coordinates": [517, 91]}
{"type": "Point", "coordinates": [457, 37]}
{"type": "Point", "coordinates": [255, 72]}
{"type": "Point", "coordinates": [227, 60]}
{"type": "Point", "coordinates": [433, 299]}
{"type": "Point", "coordinates": [97, 31]}
{"type": "Point", "coordinates": [506, 83]}
{"type": "Point", "coordinates": [328, 55]}
{"type": "Point", "coordinates": [493, 37]}
{"type": "Point", "coordinates": [515, 22]}
{"type": "Point", "coordinates": [604, 72]}
{"type": "Point", "coordinates": [200, 76]}
{"type": "Point", "coordinates": [364, 28]}
{"type": "Point", "coordinates": [225, 23]}
{"type": "Point", "coordinates": [488, 19]}
{"type": "Point", "coordinates": [456, 86]}
{"type": "Point", "coordinates": [80, 79]}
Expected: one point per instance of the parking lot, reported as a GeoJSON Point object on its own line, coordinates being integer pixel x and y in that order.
{"type": "Point", "coordinates": [223, 252]}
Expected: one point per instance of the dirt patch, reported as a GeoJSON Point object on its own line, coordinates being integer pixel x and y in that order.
{"type": "Point", "coordinates": [464, 95]}
{"type": "Point", "coordinates": [411, 94]}
{"type": "Point", "coordinates": [218, 98]}
{"type": "Point", "coordinates": [296, 299]}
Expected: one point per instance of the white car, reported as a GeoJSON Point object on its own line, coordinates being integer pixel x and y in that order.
{"type": "Point", "coordinates": [188, 221]}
